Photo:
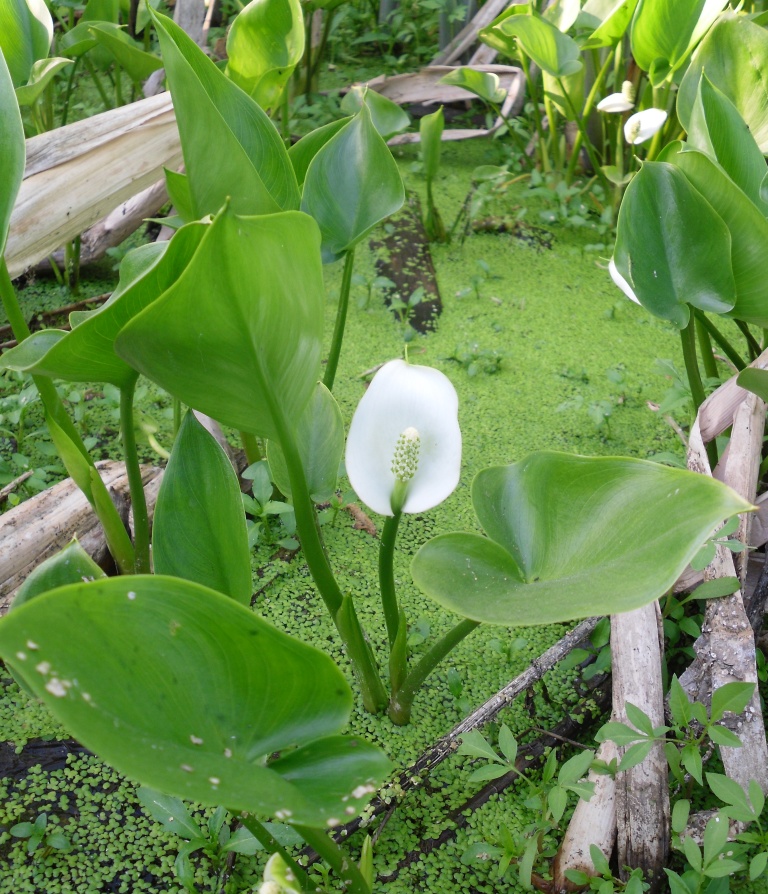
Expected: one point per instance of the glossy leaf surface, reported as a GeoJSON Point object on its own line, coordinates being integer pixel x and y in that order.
{"type": "Point", "coordinates": [664, 34]}
{"type": "Point", "coordinates": [302, 153]}
{"type": "Point", "coordinates": [320, 438]}
{"type": "Point", "coordinates": [755, 380]}
{"type": "Point", "coordinates": [747, 226]}
{"type": "Point", "coordinates": [70, 565]}
{"type": "Point", "coordinates": [570, 537]}
{"type": "Point", "coordinates": [431, 131]}
{"type": "Point", "coordinates": [264, 45]}
{"type": "Point", "coordinates": [218, 120]}
{"type": "Point", "coordinates": [351, 184]}
{"type": "Point", "coordinates": [42, 73]}
{"type": "Point", "coordinates": [484, 84]}
{"type": "Point", "coordinates": [735, 57]}
{"type": "Point", "coordinates": [199, 528]}
{"type": "Point", "coordinates": [87, 353]}
{"type": "Point", "coordinates": [672, 247]}
{"type": "Point", "coordinates": [188, 692]}
{"type": "Point", "coordinates": [610, 20]}
{"type": "Point", "coordinates": [387, 116]}
{"type": "Point", "coordinates": [12, 150]}
{"type": "Point", "coordinates": [553, 51]}
{"type": "Point", "coordinates": [238, 335]}
{"type": "Point", "coordinates": [26, 32]}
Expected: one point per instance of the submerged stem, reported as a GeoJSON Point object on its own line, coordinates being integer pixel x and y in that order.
{"type": "Point", "coordinates": [341, 319]}
{"type": "Point", "coordinates": [334, 856]}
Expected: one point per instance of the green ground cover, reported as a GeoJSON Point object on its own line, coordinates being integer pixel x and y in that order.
{"type": "Point", "coordinates": [544, 354]}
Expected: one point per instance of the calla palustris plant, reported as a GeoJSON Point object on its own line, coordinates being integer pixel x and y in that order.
{"type": "Point", "coordinates": [185, 690]}
{"type": "Point", "coordinates": [571, 536]}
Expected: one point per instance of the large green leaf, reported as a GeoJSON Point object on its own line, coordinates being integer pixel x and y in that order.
{"type": "Point", "coordinates": [387, 116]}
{"type": "Point", "coordinates": [352, 184]}
{"type": "Point", "coordinates": [26, 32]}
{"type": "Point", "coordinates": [609, 20]}
{"type": "Point", "coordinates": [717, 128]}
{"type": "Point", "coordinates": [137, 63]}
{"type": "Point", "coordinates": [302, 153]}
{"type": "Point", "coordinates": [188, 692]}
{"type": "Point", "coordinates": [735, 56]}
{"type": "Point", "coordinates": [320, 438]}
{"type": "Point", "coordinates": [264, 46]}
{"type": "Point", "coordinates": [553, 51]}
{"type": "Point", "coordinates": [570, 537]}
{"type": "Point", "coordinates": [199, 530]}
{"type": "Point", "coordinates": [484, 84]}
{"type": "Point", "coordinates": [672, 247]}
{"type": "Point", "coordinates": [754, 380]}
{"type": "Point", "coordinates": [87, 353]}
{"type": "Point", "coordinates": [70, 565]}
{"type": "Point", "coordinates": [217, 120]}
{"type": "Point", "coordinates": [239, 334]}
{"type": "Point", "coordinates": [12, 150]}
{"type": "Point", "coordinates": [664, 34]}
{"type": "Point", "coordinates": [747, 226]}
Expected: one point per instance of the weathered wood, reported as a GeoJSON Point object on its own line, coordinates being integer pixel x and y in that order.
{"type": "Point", "coordinates": [725, 651]}
{"type": "Point", "coordinates": [116, 226]}
{"type": "Point", "coordinates": [467, 37]}
{"type": "Point", "coordinates": [593, 822]}
{"type": "Point", "coordinates": [190, 15]}
{"type": "Point", "coordinates": [642, 792]}
{"type": "Point", "coordinates": [76, 175]}
{"type": "Point", "coordinates": [44, 524]}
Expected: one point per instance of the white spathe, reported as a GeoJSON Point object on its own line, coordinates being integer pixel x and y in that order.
{"type": "Point", "coordinates": [643, 125]}
{"type": "Point", "coordinates": [621, 282]}
{"type": "Point", "coordinates": [421, 403]}
{"type": "Point", "coordinates": [614, 104]}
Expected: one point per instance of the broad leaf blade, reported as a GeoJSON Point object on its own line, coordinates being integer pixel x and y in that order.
{"type": "Point", "coordinates": [572, 537]}
{"type": "Point", "coordinates": [26, 32]}
{"type": "Point", "coordinates": [217, 120]}
{"type": "Point", "coordinates": [320, 437]}
{"type": "Point", "coordinates": [238, 335]}
{"type": "Point", "coordinates": [70, 565]}
{"type": "Point", "coordinates": [672, 247]}
{"type": "Point", "coordinates": [12, 150]}
{"type": "Point", "coordinates": [387, 116]}
{"type": "Point", "coordinates": [42, 73]}
{"type": "Point", "coordinates": [351, 184]}
{"type": "Point", "coordinates": [431, 131]}
{"type": "Point", "coordinates": [264, 46]}
{"type": "Point", "coordinates": [199, 530]}
{"type": "Point", "coordinates": [553, 51]}
{"type": "Point", "coordinates": [610, 19]}
{"type": "Point", "coordinates": [188, 692]}
{"type": "Point", "coordinates": [302, 153]}
{"type": "Point", "coordinates": [137, 63]}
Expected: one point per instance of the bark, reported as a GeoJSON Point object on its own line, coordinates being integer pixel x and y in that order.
{"type": "Point", "coordinates": [725, 651]}
{"type": "Point", "coordinates": [76, 175]}
{"type": "Point", "coordinates": [642, 792]}
{"type": "Point", "coordinates": [44, 524]}
{"type": "Point", "coordinates": [190, 15]}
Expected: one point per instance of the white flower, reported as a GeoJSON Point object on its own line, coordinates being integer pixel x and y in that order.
{"type": "Point", "coordinates": [404, 444]}
{"type": "Point", "coordinates": [643, 125]}
{"type": "Point", "coordinates": [621, 282]}
{"type": "Point", "coordinates": [614, 104]}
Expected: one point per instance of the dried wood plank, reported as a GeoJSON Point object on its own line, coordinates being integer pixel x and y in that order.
{"type": "Point", "coordinates": [642, 792]}
{"type": "Point", "coordinates": [467, 37]}
{"type": "Point", "coordinates": [44, 524]}
{"type": "Point", "coordinates": [725, 651]}
{"type": "Point", "coordinates": [78, 174]}
{"type": "Point", "coordinates": [593, 822]}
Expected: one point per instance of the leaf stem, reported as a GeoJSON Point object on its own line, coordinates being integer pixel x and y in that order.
{"type": "Point", "coordinates": [688, 339]}
{"type": "Point", "coordinates": [135, 483]}
{"type": "Point", "coordinates": [265, 837]}
{"type": "Point", "coordinates": [341, 319]}
{"type": "Point", "coordinates": [118, 541]}
{"type": "Point", "coordinates": [387, 575]}
{"type": "Point", "coordinates": [752, 343]}
{"type": "Point", "coordinates": [730, 352]}
{"type": "Point", "coordinates": [351, 877]}
{"type": "Point", "coordinates": [402, 701]}
{"type": "Point", "coordinates": [705, 349]}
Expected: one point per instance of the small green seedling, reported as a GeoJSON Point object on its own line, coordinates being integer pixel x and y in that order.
{"type": "Point", "coordinates": [40, 835]}
{"type": "Point", "coordinates": [261, 507]}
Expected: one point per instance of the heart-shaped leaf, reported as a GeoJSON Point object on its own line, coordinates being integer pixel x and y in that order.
{"type": "Point", "coordinates": [320, 438]}
{"type": "Point", "coordinates": [387, 116]}
{"type": "Point", "coordinates": [352, 184]}
{"type": "Point", "coordinates": [672, 247]}
{"type": "Point", "coordinates": [735, 57]}
{"type": "Point", "coordinates": [664, 34]}
{"type": "Point", "coordinates": [238, 336]}
{"type": "Point", "coordinates": [302, 153]}
{"type": "Point", "coordinates": [26, 32]}
{"type": "Point", "coordinates": [218, 120]}
{"type": "Point", "coordinates": [199, 530]}
{"type": "Point", "coordinates": [553, 51]}
{"type": "Point", "coordinates": [186, 691]}
{"type": "Point", "coordinates": [609, 19]}
{"type": "Point", "coordinates": [570, 537]}
{"type": "Point", "coordinates": [12, 151]}
{"type": "Point", "coordinates": [717, 129]}
{"type": "Point", "coordinates": [87, 353]}
{"type": "Point", "coordinates": [137, 63]}
{"type": "Point", "coordinates": [42, 73]}
{"type": "Point", "coordinates": [484, 84]}
{"type": "Point", "coordinates": [747, 226]}
{"type": "Point", "coordinates": [264, 45]}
